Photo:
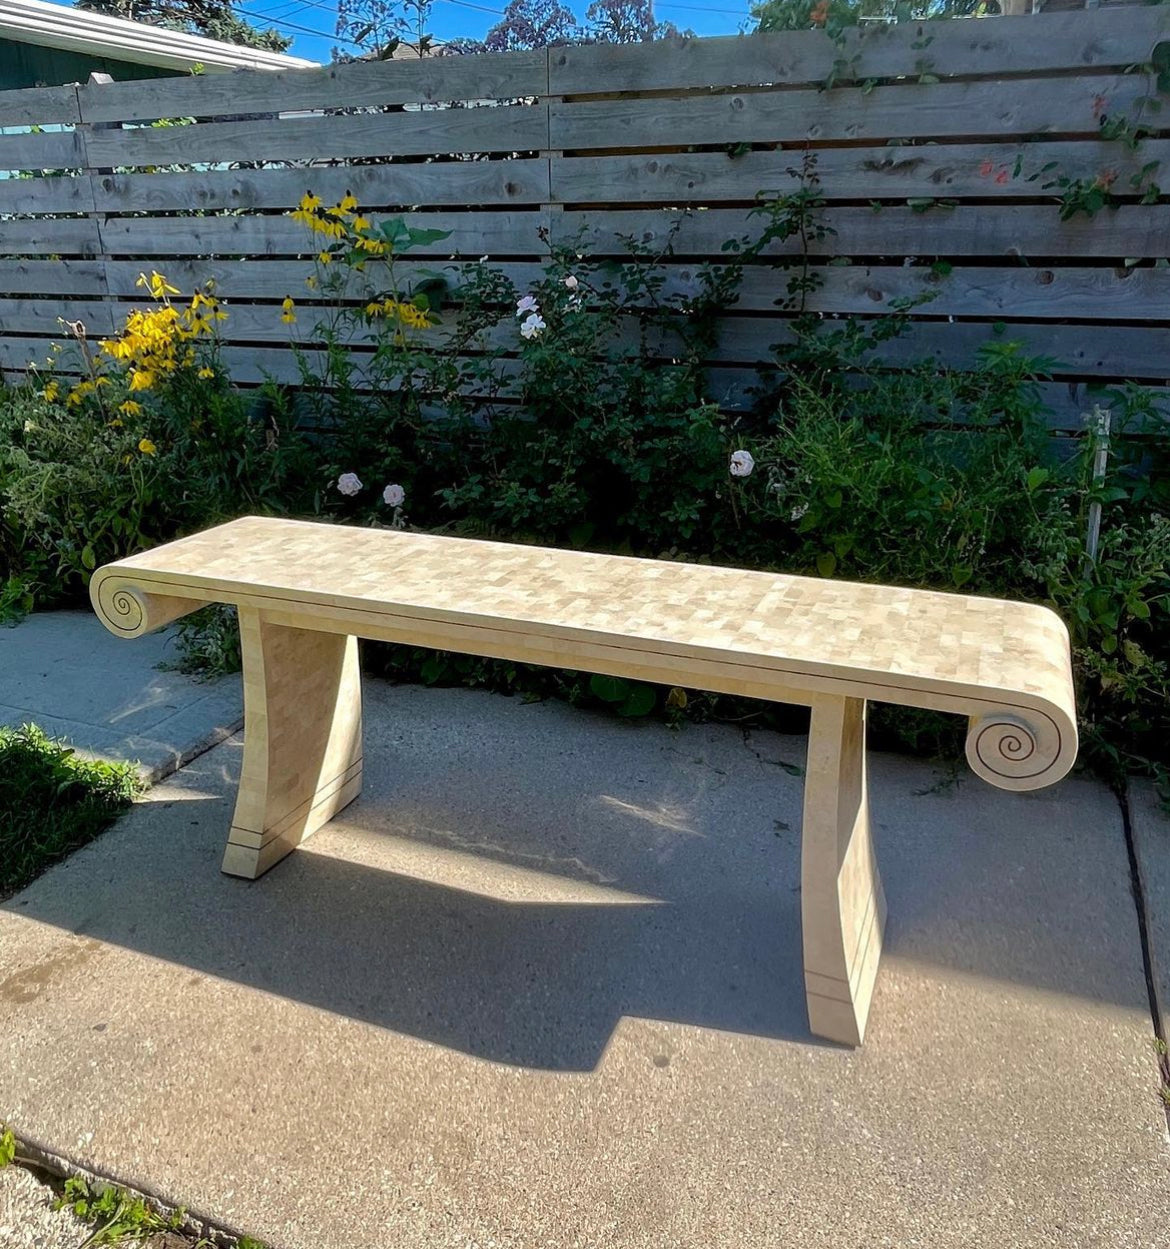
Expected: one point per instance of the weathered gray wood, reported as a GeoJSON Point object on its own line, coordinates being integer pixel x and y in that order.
{"type": "Point", "coordinates": [51, 278]}
{"type": "Point", "coordinates": [936, 171]}
{"type": "Point", "coordinates": [1014, 230]}
{"type": "Point", "coordinates": [427, 132]}
{"type": "Point", "coordinates": [53, 149]}
{"type": "Point", "coordinates": [57, 236]}
{"type": "Point", "coordinates": [67, 194]}
{"type": "Point", "coordinates": [952, 110]}
{"type": "Point", "coordinates": [437, 183]}
{"type": "Point", "coordinates": [987, 230]}
{"type": "Point", "coordinates": [496, 207]}
{"type": "Point", "coordinates": [39, 106]}
{"type": "Point", "coordinates": [363, 84]}
{"type": "Point", "coordinates": [1099, 351]}
{"type": "Point", "coordinates": [472, 234]}
{"type": "Point", "coordinates": [1042, 293]}
{"type": "Point", "coordinates": [245, 279]}
{"type": "Point", "coordinates": [45, 316]}
{"type": "Point", "coordinates": [993, 46]}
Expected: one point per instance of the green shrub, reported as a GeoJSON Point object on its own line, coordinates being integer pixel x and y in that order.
{"type": "Point", "coordinates": [579, 413]}
{"type": "Point", "coordinates": [144, 440]}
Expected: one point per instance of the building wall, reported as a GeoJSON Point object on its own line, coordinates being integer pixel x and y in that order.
{"type": "Point", "coordinates": [27, 65]}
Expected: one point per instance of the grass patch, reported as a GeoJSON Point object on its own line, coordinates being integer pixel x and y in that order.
{"type": "Point", "coordinates": [52, 802]}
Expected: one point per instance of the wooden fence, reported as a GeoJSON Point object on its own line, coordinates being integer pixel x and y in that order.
{"type": "Point", "coordinates": [925, 146]}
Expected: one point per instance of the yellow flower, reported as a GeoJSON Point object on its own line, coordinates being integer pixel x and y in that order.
{"type": "Point", "coordinates": [309, 202]}
{"type": "Point", "coordinates": [324, 258]}
{"type": "Point", "coordinates": [204, 373]}
{"type": "Point", "coordinates": [375, 309]}
{"type": "Point", "coordinates": [361, 223]}
{"type": "Point", "coordinates": [147, 447]}
{"type": "Point", "coordinates": [288, 310]}
{"type": "Point", "coordinates": [141, 379]}
{"type": "Point", "coordinates": [374, 246]}
{"type": "Point", "coordinates": [130, 407]}
{"type": "Point", "coordinates": [311, 282]}
{"type": "Point", "coordinates": [50, 393]}
{"type": "Point", "coordinates": [116, 423]}
{"type": "Point", "coordinates": [415, 317]}
{"type": "Point", "coordinates": [158, 286]}
{"type": "Point", "coordinates": [344, 207]}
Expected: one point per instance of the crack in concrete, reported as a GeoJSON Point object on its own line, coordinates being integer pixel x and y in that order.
{"type": "Point", "coordinates": [1137, 886]}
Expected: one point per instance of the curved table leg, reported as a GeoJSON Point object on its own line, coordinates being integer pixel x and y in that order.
{"type": "Point", "coordinates": [843, 909]}
{"type": "Point", "coordinates": [302, 739]}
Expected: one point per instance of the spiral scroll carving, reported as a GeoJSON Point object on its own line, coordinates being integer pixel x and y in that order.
{"type": "Point", "coordinates": [1012, 752]}
{"type": "Point", "coordinates": [122, 608]}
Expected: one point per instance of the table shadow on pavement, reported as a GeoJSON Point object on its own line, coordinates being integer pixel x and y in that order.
{"type": "Point", "coordinates": [514, 887]}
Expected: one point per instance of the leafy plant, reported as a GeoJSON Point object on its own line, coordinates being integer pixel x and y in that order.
{"type": "Point", "coordinates": [51, 802]}
{"type": "Point", "coordinates": [118, 1217]}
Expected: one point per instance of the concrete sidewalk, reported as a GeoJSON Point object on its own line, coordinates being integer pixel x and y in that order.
{"type": "Point", "coordinates": [541, 986]}
{"type": "Point", "coordinates": [65, 672]}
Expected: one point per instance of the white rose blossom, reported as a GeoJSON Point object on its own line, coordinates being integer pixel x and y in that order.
{"type": "Point", "coordinates": [571, 282]}
{"type": "Point", "coordinates": [741, 464]}
{"type": "Point", "coordinates": [526, 305]}
{"type": "Point", "coordinates": [532, 325]}
{"type": "Point", "coordinates": [394, 495]}
{"type": "Point", "coordinates": [349, 484]}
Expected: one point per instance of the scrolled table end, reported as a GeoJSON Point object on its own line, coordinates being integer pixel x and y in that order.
{"type": "Point", "coordinates": [129, 611]}
{"type": "Point", "coordinates": [1021, 748]}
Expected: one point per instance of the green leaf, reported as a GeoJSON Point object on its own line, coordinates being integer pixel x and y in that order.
{"type": "Point", "coordinates": [419, 238]}
{"type": "Point", "coordinates": [580, 534]}
{"type": "Point", "coordinates": [834, 499]}
{"type": "Point", "coordinates": [826, 563]}
{"type": "Point", "coordinates": [961, 574]}
{"type": "Point", "coordinates": [609, 689]}
{"type": "Point", "coordinates": [433, 669]}
{"type": "Point", "coordinates": [640, 701]}
{"type": "Point", "coordinates": [1036, 478]}
{"type": "Point", "coordinates": [88, 558]}
{"type": "Point", "coordinates": [7, 1148]}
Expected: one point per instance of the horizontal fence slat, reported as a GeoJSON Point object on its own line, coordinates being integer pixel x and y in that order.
{"type": "Point", "coordinates": [65, 194]}
{"type": "Point", "coordinates": [1018, 230]}
{"type": "Point", "coordinates": [425, 133]}
{"type": "Point", "coordinates": [376, 186]}
{"type": "Point", "coordinates": [45, 316]}
{"type": "Point", "coordinates": [472, 234]}
{"type": "Point", "coordinates": [54, 149]}
{"type": "Point", "coordinates": [362, 84]}
{"type": "Point", "coordinates": [994, 45]}
{"type": "Point", "coordinates": [50, 236]}
{"type": "Point", "coordinates": [934, 171]}
{"type": "Point", "coordinates": [1039, 293]}
{"type": "Point", "coordinates": [50, 278]}
{"type": "Point", "coordinates": [943, 110]}
{"type": "Point", "coordinates": [39, 106]}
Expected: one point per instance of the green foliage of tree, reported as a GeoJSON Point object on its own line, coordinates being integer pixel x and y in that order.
{"type": "Point", "coordinates": [215, 19]}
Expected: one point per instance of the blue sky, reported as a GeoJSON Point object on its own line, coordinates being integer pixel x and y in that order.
{"type": "Point", "coordinates": [455, 19]}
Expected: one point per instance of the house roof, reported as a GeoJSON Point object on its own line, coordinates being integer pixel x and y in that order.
{"type": "Point", "coordinates": [73, 30]}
